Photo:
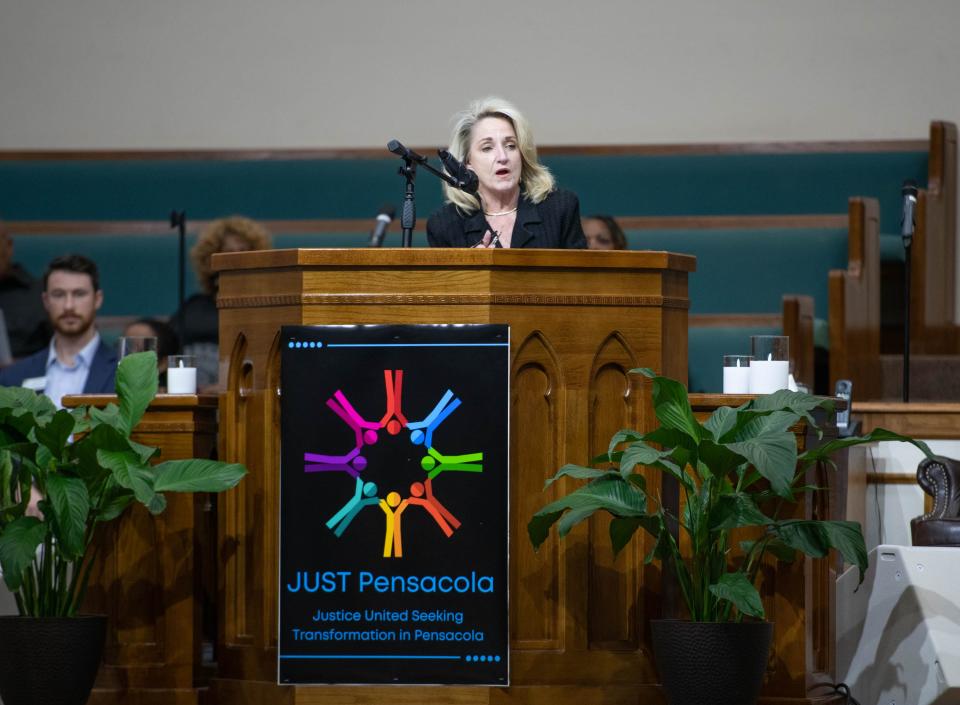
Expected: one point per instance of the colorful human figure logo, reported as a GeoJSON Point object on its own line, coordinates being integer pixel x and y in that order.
{"type": "Point", "coordinates": [420, 493]}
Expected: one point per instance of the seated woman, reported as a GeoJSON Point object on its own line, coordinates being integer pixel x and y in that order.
{"type": "Point", "coordinates": [604, 233]}
{"type": "Point", "coordinates": [200, 320]}
{"type": "Point", "coordinates": [167, 341]}
{"type": "Point", "coordinates": [517, 203]}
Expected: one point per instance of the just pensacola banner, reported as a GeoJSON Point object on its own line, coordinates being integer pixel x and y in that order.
{"type": "Point", "coordinates": [394, 504]}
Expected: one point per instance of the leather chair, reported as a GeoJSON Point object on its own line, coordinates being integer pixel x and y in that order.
{"type": "Point", "coordinates": [939, 477]}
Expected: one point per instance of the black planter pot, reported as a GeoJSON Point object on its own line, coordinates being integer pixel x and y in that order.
{"type": "Point", "coordinates": [50, 660]}
{"type": "Point", "coordinates": [711, 663]}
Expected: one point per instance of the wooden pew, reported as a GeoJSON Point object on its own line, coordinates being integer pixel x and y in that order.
{"type": "Point", "coordinates": [853, 304]}
{"type": "Point", "coordinates": [933, 264]}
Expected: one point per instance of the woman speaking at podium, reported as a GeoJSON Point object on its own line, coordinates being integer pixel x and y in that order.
{"type": "Point", "coordinates": [517, 203]}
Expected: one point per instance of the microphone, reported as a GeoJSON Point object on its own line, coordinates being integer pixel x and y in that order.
{"type": "Point", "coordinates": [908, 222]}
{"type": "Point", "coordinates": [467, 180]}
{"type": "Point", "coordinates": [384, 218]}
{"type": "Point", "coordinates": [401, 151]}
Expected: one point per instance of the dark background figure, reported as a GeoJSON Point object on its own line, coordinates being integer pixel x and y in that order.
{"type": "Point", "coordinates": [77, 361]}
{"type": "Point", "coordinates": [604, 233]}
{"type": "Point", "coordinates": [168, 343]}
{"type": "Point", "coordinates": [21, 303]}
{"type": "Point", "coordinates": [200, 333]}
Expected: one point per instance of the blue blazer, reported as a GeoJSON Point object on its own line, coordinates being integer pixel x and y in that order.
{"type": "Point", "coordinates": [101, 380]}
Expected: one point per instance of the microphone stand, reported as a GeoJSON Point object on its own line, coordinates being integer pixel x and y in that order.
{"type": "Point", "coordinates": [179, 220]}
{"type": "Point", "coordinates": [907, 247]}
{"type": "Point", "coordinates": [408, 218]}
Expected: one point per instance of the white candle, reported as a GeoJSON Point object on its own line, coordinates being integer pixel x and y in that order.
{"type": "Point", "coordinates": [736, 380]}
{"type": "Point", "coordinates": [182, 380]}
{"type": "Point", "coordinates": [768, 376]}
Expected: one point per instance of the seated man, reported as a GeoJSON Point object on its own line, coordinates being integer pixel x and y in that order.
{"type": "Point", "coordinates": [20, 303]}
{"type": "Point", "coordinates": [76, 361]}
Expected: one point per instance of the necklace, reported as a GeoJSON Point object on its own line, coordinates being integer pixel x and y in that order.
{"type": "Point", "coordinates": [493, 215]}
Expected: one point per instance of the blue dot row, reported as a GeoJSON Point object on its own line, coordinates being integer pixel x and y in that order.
{"type": "Point", "coordinates": [483, 659]}
{"type": "Point", "coordinates": [299, 344]}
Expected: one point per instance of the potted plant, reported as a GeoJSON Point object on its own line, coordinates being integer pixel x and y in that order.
{"type": "Point", "coordinates": [87, 470]}
{"type": "Point", "coordinates": [736, 471]}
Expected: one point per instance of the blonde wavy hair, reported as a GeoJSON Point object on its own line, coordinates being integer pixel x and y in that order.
{"type": "Point", "coordinates": [211, 241]}
{"type": "Point", "coordinates": [535, 179]}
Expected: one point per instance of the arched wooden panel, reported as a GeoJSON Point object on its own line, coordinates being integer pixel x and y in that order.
{"type": "Point", "coordinates": [271, 487]}
{"type": "Point", "coordinates": [236, 549]}
{"type": "Point", "coordinates": [614, 585]}
{"type": "Point", "coordinates": [535, 577]}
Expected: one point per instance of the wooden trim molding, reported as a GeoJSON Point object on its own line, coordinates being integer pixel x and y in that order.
{"type": "Point", "coordinates": [268, 154]}
{"type": "Point", "coordinates": [363, 225]}
{"type": "Point", "coordinates": [739, 320]}
{"type": "Point", "coordinates": [312, 299]}
{"type": "Point", "coordinates": [892, 478]}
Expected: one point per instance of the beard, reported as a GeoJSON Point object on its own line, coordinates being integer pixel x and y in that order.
{"type": "Point", "coordinates": [72, 325]}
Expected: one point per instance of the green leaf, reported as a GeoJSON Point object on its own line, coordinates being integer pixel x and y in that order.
{"type": "Point", "coordinates": [782, 552]}
{"type": "Point", "coordinates": [721, 421]}
{"type": "Point", "coordinates": [623, 436]}
{"type": "Point", "coordinates": [157, 504]}
{"type": "Point", "coordinates": [18, 547]}
{"type": "Point", "coordinates": [7, 482]}
{"type": "Point", "coordinates": [751, 424]}
{"type": "Point", "coordinates": [55, 433]}
{"type": "Point", "coordinates": [128, 473]}
{"type": "Point", "coordinates": [107, 416]}
{"type": "Point", "coordinates": [774, 456]}
{"type": "Point", "coordinates": [640, 453]}
{"type": "Point", "coordinates": [816, 538]}
{"type": "Point", "coordinates": [115, 506]}
{"type": "Point", "coordinates": [572, 518]}
{"type": "Point", "coordinates": [107, 437]}
{"type": "Point", "coordinates": [19, 400]}
{"type": "Point", "coordinates": [610, 493]}
{"type": "Point", "coordinates": [145, 453]}
{"type": "Point", "coordinates": [81, 419]}
{"type": "Point", "coordinates": [672, 408]}
{"type": "Point", "coordinates": [578, 471]}
{"type": "Point", "coordinates": [720, 459]}
{"type": "Point", "coordinates": [734, 510]}
{"type": "Point", "coordinates": [663, 548]}
{"type": "Point", "coordinates": [803, 535]}
{"type": "Point", "coordinates": [847, 538]}
{"type": "Point", "coordinates": [136, 386]}
{"type": "Point", "coordinates": [538, 528]}
{"type": "Point", "coordinates": [736, 588]}
{"type": "Point", "coordinates": [71, 504]}
{"type": "Point", "coordinates": [622, 530]}
{"type": "Point", "coordinates": [799, 403]}
{"type": "Point", "coordinates": [197, 476]}
{"type": "Point", "coordinates": [826, 450]}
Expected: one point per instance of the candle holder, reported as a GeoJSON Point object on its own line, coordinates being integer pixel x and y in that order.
{"type": "Point", "coordinates": [181, 374]}
{"type": "Point", "coordinates": [770, 367]}
{"type": "Point", "coordinates": [130, 344]}
{"type": "Point", "coordinates": [736, 374]}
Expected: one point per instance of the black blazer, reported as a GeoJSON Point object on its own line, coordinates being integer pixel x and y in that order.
{"type": "Point", "coordinates": [552, 223]}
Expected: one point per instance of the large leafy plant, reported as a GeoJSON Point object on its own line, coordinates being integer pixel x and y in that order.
{"type": "Point", "coordinates": [88, 471]}
{"type": "Point", "coordinates": [736, 471]}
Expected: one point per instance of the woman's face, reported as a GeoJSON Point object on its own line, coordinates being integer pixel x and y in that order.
{"type": "Point", "coordinates": [598, 234]}
{"type": "Point", "coordinates": [495, 157]}
{"type": "Point", "coordinates": [232, 242]}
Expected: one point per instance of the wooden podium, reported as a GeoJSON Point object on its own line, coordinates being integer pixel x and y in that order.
{"type": "Point", "coordinates": [579, 321]}
{"type": "Point", "coordinates": [149, 571]}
